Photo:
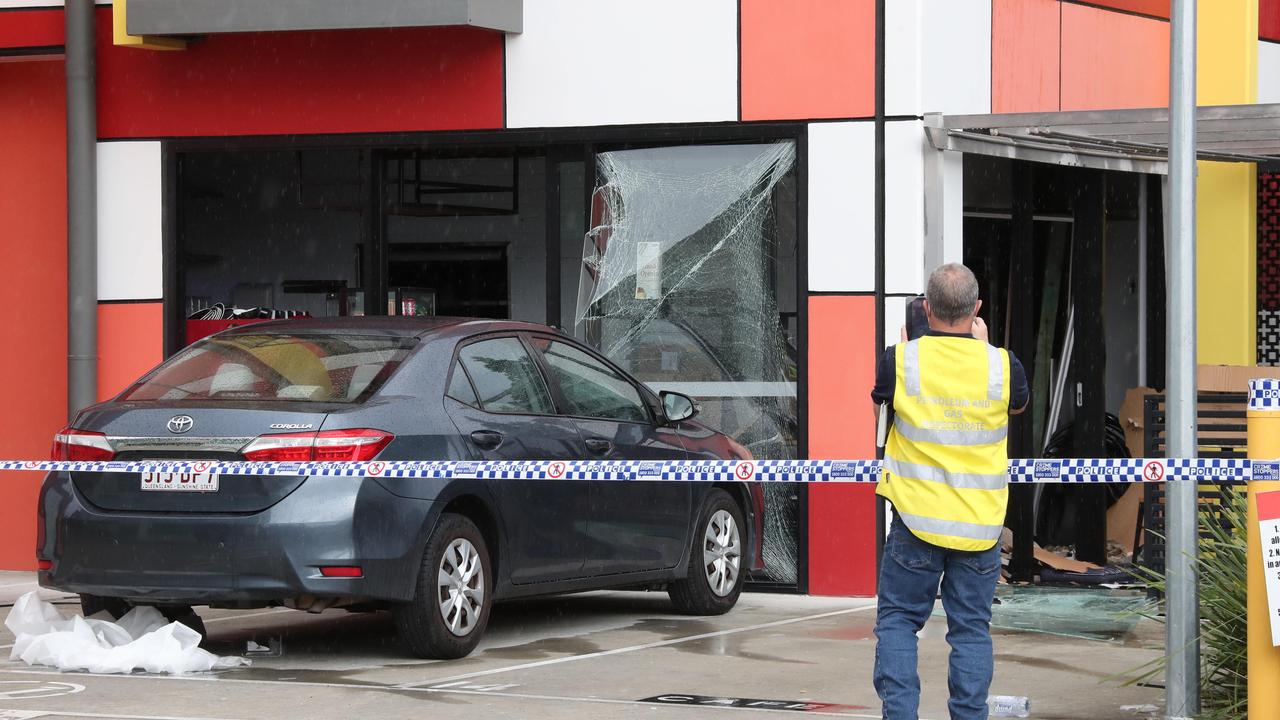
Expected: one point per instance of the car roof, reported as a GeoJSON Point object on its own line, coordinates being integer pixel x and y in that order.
{"type": "Point", "coordinates": [417, 327]}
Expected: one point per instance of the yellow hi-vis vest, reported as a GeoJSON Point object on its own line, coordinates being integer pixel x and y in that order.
{"type": "Point", "coordinates": [946, 462]}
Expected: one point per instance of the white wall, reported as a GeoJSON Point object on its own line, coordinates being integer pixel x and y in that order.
{"type": "Point", "coordinates": [937, 56]}
{"type": "Point", "coordinates": [129, 221]}
{"type": "Point", "coordinates": [842, 207]}
{"type": "Point", "coordinates": [588, 62]}
{"type": "Point", "coordinates": [1268, 72]}
{"type": "Point", "coordinates": [904, 148]}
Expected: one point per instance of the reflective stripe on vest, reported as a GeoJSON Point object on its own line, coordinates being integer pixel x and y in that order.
{"type": "Point", "coordinates": [975, 481]}
{"type": "Point", "coordinates": [995, 373]}
{"type": "Point", "coordinates": [954, 528]}
{"type": "Point", "coordinates": [949, 436]}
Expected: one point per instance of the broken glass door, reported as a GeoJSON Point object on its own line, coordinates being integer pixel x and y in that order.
{"type": "Point", "coordinates": [688, 281]}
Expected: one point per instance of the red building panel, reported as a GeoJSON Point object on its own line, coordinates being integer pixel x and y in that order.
{"type": "Point", "coordinates": [1269, 19]}
{"type": "Point", "coordinates": [33, 251]}
{"type": "Point", "coordinates": [842, 517]}
{"type": "Point", "coordinates": [346, 81]}
{"type": "Point", "coordinates": [30, 28]}
{"type": "Point", "coordinates": [1112, 60]}
{"type": "Point", "coordinates": [1025, 41]}
{"type": "Point", "coordinates": [1154, 8]}
{"type": "Point", "coordinates": [130, 342]}
{"type": "Point", "coordinates": [806, 59]}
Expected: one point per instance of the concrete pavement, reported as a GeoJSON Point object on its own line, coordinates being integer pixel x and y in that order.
{"type": "Point", "coordinates": [600, 655]}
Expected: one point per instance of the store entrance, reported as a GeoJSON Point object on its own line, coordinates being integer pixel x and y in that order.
{"type": "Point", "coordinates": [678, 261]}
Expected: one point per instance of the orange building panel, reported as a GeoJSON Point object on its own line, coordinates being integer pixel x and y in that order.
{"type": "Point", "coordinates": [1113, 60]}
{"type": "Point", "coordinates": [1025, 42]}
{"type": "Point", "coordinates": [33, 251]}
{"type": "Point", "coordinates": [842, 517]}
{"type": "Point", "coordinates": [130, 342]}
{"type": "Point", "coordinates": [808, 59]}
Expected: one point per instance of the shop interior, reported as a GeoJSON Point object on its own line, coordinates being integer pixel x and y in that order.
{"type": "Point", "coordinates": [580, 236]}
{"type": "Point", "coordinates": [1071, 267]}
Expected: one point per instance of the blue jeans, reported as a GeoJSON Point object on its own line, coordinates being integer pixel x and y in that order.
{"type": "Point", "coordinates": [909, 575]}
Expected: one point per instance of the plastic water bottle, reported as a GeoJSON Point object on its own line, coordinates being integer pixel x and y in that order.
{"type": "Point", "coordinates": [999, 706]}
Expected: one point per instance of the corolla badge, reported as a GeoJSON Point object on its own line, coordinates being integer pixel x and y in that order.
{"type": "Point", "coordinates": [179, 424]}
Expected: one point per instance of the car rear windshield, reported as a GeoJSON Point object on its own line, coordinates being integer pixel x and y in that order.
{"type": "Point", "coordinates": [276, 367]}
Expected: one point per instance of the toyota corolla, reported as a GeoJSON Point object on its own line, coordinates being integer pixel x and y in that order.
{"type": "Point", "coordinates": [437, 553]}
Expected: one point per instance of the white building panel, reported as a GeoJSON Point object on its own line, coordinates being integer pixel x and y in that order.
{"type": "Point", "coordinates": [902, 29]}
{"type": "Point", "coordinates": [904, 147]}
{"type": "Point", "coordinates": [842, 247]}
{"type": "Point", "coordinates": [588, 62]}
{"type": "Point", "coordinates": [955, 57]}
{"type": "Point", "coordinates": [1268, 72]}
{"type": "Point", "coordinates": [895, 317]}
{"type": "Point", "coordinates": [129, 221]}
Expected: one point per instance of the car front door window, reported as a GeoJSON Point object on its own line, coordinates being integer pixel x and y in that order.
{"type": "Point", "coordinates": [590, 387]}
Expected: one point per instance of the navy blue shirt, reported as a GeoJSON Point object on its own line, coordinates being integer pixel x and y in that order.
{"type": "Point", "coordinates": [887, 380]}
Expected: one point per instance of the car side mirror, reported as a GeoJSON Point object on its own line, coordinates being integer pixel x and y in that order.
{"type": "Point", "coordinates": [677, 406]}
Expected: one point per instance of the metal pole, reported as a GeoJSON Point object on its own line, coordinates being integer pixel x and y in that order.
{"type": "Point", "coordinates": [82, 208]}
{"type": "Point", "coordinates": [1182, 680]}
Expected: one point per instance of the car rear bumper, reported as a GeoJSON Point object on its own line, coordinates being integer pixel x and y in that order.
{"type": "Point", "coordinates": [237, 559]}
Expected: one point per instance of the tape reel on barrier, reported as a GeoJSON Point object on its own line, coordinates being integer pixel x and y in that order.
{"type": "Point", "coordinates": [1037, 470]}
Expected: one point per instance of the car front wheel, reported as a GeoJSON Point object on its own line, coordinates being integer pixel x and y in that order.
{"type": "Point", "coordinates": [714, 579]}
{"type": "Point", "coordinates": [450, 608]}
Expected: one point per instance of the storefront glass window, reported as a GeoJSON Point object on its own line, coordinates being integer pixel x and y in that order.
{"type": "Point", "coordinates": [687, 281]}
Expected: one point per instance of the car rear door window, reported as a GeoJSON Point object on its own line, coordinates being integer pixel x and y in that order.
{"type": "Point", "coordinates": [460, 388]}
{"type": "Point", "coordinates": [505, 377]}
{"type": "Point", "coordinates": [592, 388]}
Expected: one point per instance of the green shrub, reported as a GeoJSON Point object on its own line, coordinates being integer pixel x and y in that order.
{"type": "Point", "coordinates": [1223, 610]}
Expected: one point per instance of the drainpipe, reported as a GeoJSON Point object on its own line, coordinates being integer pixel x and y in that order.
{"type": "Point", "coordinates": [82, 209]}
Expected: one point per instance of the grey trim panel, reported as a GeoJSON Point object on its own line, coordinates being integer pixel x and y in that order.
{"type": "Point", "coordinates": [963, 481]}
{"type": "Point", "coordinates": [949, 437]}
{"type": "Point", "coordinates": [205, 17]}
{"type": "Point", "coordinates": [952, 528]}
{"type": "Point", "coordinates": [178, 444]}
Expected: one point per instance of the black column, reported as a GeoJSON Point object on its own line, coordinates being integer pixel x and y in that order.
{"type": "Point", "coordinates": [1022, 313]}
{"type": "Point", "coordinates": [1086, 390]}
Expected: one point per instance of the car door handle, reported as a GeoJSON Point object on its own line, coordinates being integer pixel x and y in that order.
{"type": "Point", "coordinates": [486, 439]}
{"type": "Point", "coordinates": [599, 446]}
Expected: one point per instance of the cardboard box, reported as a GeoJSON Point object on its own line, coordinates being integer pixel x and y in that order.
{"type": "Point", "coordinates": [1231, 378]}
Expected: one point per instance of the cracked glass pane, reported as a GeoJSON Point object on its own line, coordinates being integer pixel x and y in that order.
{"type": "Point", "coordinates": [688, 282]}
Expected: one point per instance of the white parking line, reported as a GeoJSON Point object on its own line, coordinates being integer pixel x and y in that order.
{"type": "Point", "coordinates": [75, 713]}
{"type": "Point", "coordinates": [385, 688]}
{"type": "Point", "coordinates": [633, 648]}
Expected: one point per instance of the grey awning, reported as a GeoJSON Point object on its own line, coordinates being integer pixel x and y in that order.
{"type": "Point", "coordinates": [1131, 140]}
{"type": "Point", "coordinates": [204, 17]}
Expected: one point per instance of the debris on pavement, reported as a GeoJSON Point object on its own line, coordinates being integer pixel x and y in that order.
{"type": "Point", "coordinates": [141, 640]}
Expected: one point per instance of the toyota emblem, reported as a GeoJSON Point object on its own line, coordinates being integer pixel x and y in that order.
{"type": "Point", "coordinates": [179, 424]}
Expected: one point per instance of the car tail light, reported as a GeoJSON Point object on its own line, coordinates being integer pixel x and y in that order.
{"type": "Point", "coordinates": [349, 445]}
{"type": "Point", "coordinates": [44, 564]}
{"type": "Point", "coordinates": [73, 444]}
{"type": "Point", "coordinates": [346, 571]}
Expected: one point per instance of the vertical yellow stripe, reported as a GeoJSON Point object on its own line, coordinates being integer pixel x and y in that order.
{"type": "Point", "coordinates": [1226, 193]}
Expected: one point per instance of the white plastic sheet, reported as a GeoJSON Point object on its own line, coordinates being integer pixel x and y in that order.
{"type": "Point", "coordinates": [141, 640]}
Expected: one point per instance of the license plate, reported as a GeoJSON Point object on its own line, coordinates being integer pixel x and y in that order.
{"type": "Point", "coordinates": [180, 481]}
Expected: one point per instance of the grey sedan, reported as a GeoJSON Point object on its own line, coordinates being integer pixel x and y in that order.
{"type": "Point", "coordinates": [436, 552]}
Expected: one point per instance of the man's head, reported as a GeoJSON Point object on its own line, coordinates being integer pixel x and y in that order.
{"type": "Point", "coordinates": [951, 299]}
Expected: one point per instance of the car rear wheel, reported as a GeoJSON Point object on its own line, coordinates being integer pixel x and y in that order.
{"type": "Point", "coordinates": [451, 605]}
{"type": "Point", "coordinates": [714, 579]}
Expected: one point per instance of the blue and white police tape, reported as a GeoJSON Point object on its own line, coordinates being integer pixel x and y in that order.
{"type": "Point", "coordinates": [820, 471]}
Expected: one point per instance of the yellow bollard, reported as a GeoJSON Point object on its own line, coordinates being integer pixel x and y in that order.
{"type": "Point", "coordinates": [1264, 659]}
